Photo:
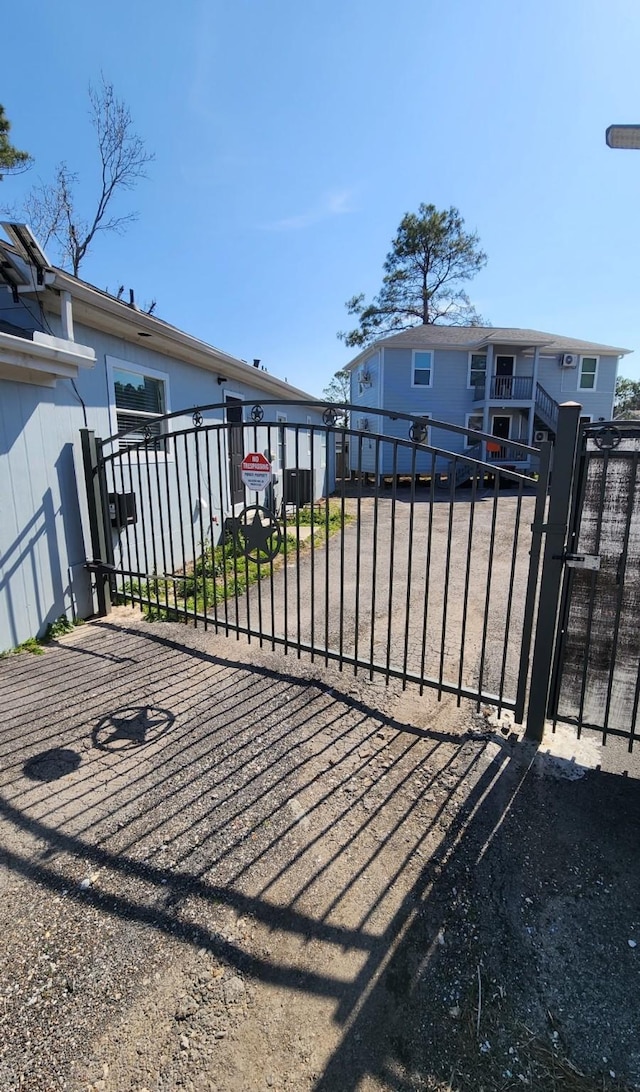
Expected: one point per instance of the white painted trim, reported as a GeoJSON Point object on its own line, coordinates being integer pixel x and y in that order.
{"type": "Point", "coordinates": [114, 362]}
{"type": "Point", "coordinates": [589, 356]}
{"type": "Point", "coordinates": [421, 352]}
{"type": "Point", "coordinates": [234, 394]}
{"type": "Point", "coordinates": [473, 413]}
{"type": "Point", "coordinates": [281, 419]}
{"type": "Point", "coordinates": [381, 383]}
{"type": "Point", "coordinates": [475, 352]}
{"type": "Point", "coordinates": [42, 360]}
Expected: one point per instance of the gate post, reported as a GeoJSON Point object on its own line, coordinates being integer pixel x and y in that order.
{"type": "Point", "coordinates": [96, 500]}
{"type": "Point", "coordinates": [564, 457]}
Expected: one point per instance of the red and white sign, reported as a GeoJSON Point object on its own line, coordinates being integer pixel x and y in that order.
{"type": "Point", "coordinates": [256, 471]}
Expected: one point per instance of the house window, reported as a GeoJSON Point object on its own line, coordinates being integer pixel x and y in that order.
{"type": "Point", "coordinates": [474, 423]}
{"type": "Point", "coordinates": [588, 373]}
{"type": "Point", "coordinates": [139, 399]}
{"type": "Point", "coordinates": [422, 372]}
{"type": "Point", "coordinates": [477, 369]}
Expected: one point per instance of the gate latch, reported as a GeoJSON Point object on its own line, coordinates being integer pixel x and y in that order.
{"type": "Point", "coordinates": [581, 561]}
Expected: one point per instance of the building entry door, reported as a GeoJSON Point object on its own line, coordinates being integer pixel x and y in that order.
{"type": "Point", "coordinates": [236, 448]}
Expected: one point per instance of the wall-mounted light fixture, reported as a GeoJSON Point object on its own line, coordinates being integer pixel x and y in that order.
{"type": "Point", "coordinates": [221, 379]}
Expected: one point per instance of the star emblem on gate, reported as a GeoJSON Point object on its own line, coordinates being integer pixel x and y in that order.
{"type": "Point", "coordinates": [258, 534]}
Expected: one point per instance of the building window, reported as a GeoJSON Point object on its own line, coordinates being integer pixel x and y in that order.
{"type": "Point", "coordinates": [477, 369]}
{"type": "Point", "coordinates": [474, 423]}
{"type": "Point", "coordinates": [588, 373]}
{"type": "Point", "coordinates": [422, 372]}
{"type": "Point", "coordinates": [139, 398]}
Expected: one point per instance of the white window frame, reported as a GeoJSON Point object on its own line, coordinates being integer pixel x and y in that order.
{"type": "Point", "coordinates": [414, 354]}
{"type": "Point", "coordinates": [467, 418]}
{"type": "Point", "coordinates": [114, 363]}
{"type": "Point", "coordinates": [471, 386]}
{"type": "Point", "coordinates": [588, 356]}
{"type": "Point", "coordinates": [309, 423]}
{"type": "Point", "coordinates": [281, 421]}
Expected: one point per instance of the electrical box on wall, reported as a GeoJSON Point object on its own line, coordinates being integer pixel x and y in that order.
{"type": "Point", "coordinates": [122, 509]}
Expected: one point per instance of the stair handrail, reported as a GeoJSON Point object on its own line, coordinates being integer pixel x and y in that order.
{"type": "Point", "coordinates": [547, 405]}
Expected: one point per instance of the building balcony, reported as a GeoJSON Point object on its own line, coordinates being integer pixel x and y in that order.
{"type": "Point", "coordinates": [505, 388]}
{"type": "Point", "coordinates": [501, 451]}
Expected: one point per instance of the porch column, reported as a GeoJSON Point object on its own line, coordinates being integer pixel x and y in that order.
{"type": "Point", "coordinates": [532, 410]}
{"type": "Point", "coordinates": [487, 392]}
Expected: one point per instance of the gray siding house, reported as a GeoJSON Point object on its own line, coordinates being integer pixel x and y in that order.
{"type": "Point", "coordinates": [502, 381]}
{"type": "Point", "coordinates": [74, 357]}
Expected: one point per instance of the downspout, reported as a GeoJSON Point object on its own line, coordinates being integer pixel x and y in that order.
{"type": "Point", "coordinates": [66, 315]}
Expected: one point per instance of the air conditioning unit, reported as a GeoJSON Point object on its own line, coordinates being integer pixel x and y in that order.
{"type": "Point", "coordinates": [362, 424]}
{"type": "Point", "coordinates": [540, 436]}
{"type": "Point", "coordinates": [568, 360]}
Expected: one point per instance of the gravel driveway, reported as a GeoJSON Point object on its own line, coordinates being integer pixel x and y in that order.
{"type": "Point", "coordinates": [223, 869]}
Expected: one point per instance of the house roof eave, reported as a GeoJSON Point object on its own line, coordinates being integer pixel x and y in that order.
{"type": "Point", "coordinates": [95, 308]}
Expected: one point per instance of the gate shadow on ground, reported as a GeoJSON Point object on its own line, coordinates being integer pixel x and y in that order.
{"type": "Point", "coordinates": [396, 869]}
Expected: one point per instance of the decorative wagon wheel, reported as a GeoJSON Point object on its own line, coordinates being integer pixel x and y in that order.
{"type": "Point", "coordinates": [418, 433]}
{"type": "Point", "coordinates": [257, 413]}
{"type": "Point", "coordinates": [197, 418]}
{"type": "Point", "coordinates": [330, 416]}
{"type": "Point", "coordinates": [607, 438]}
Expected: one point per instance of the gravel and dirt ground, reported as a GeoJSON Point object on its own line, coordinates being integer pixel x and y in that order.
{"type": "Point", "coordinates": [227, 869]}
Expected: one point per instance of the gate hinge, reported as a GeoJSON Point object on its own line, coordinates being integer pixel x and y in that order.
{"type": "Point", "coordinates": [100, 566]}
{"type": "Point", "coordinates": [579, 561]}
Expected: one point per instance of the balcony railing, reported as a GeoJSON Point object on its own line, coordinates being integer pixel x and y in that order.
{"type": "Point", "coordinates": [546, 407]}
{"type": "Point", "coordinates": [506, 387]}
{"type": "Point", "coordinates": [503, 452]}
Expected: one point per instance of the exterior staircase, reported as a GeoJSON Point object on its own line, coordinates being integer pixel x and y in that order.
{"type": "Point", "coordinates": [462, 471]}
{"type": "Point", "coordinates": [546, 408]}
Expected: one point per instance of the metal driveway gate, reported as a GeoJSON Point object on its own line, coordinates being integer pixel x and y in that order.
{"type": "Point", "coordinates": [418, 563]}
{"type": "Point", "coordinates": [596, 678]}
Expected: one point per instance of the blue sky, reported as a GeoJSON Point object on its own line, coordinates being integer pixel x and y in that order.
{"type": "Point", "coordinates": [290, 139]}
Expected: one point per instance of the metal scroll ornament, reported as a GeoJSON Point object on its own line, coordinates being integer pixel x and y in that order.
{"type": "Point", "coordinates": [197, 418]}
{"type": "Point", "coordinates": [418, 432]}
{"type": "Point", "coordinates": [258, 534]}
{"type": "Point", "coordinates": [607, 438]}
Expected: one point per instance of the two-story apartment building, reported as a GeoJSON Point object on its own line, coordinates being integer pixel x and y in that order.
{"type": "Point", "coordinates": [506, 382]}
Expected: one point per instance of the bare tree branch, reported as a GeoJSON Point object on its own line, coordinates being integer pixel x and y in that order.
{"type": "Point", "coordinates": [52, 209]}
